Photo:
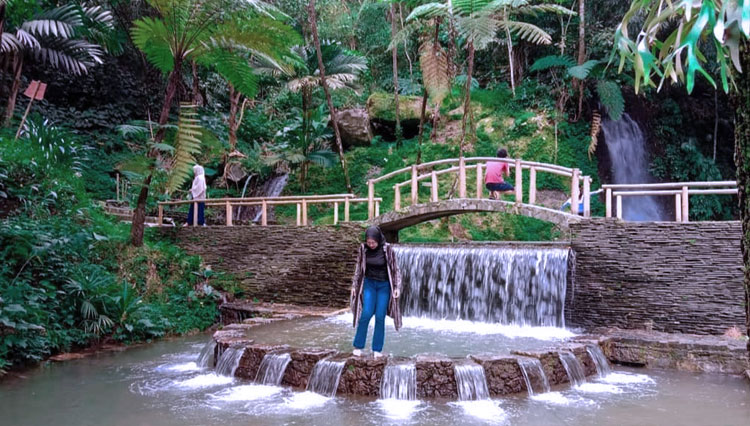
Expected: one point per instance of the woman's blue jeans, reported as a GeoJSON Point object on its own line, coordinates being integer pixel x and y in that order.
{"type": "Point", "coordinates": [201, 217]}
{"type": "Point", "coordinates": [375, 297]}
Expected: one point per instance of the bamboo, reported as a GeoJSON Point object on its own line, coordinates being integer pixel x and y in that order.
{"type": "Point", "coordinates": [229, 213]}
{"type": "Point", "coordinates": [685, 205]}
{"type": "Point", "coordinates": [161, 215]}
{"type": "Point", "coordinates": [414, 187]}
{"type": "Point", "coordinates": [264, 214]}
{"type": "Point", "coordinates": [678, 207]}
{"type": "Point", "coordinates": [346, 210]}
{"type": "Point", "coordinates": [462, 178]}
{"type": "Point", "coordinates": [519, 182]}
{"type": "Point", "coordinates": [532, 185]}
{"type": "Point", "coordinates": [434, 187]}
{"type": "Point", "coordinates": [574, 191]}
{"type": "Point", "coordinates": [619, 207]}
{"type": "Point", "coordinates": [299, 214]}
{"type": "Point", "coordinates": [396, 197]}
{"type": "Point", "coordinates": [377, 208]}
{"type": "Point", "coordinates": [335, 213]}
{"type": "Point", "coordinates": [587, 196]}
{"type": "Point", "coordinates": [304, 212]}
{"type": "Point", "coordinates": [608, 203]}
{"type": "Point", "coordinates": [370, 199]}
{"type": "Point", "coordinates": [480, 182]}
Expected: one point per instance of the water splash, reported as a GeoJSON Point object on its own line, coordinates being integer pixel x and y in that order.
{"type": "Point", "coordinates": [573, 367]}
{"type": "Point", "coordinates": [471, 382]}
{"type": "Point", "coordinates": [627, 152]}
{"type": "Point", "coordinates": [206, 357]}
{"type": "Point", "coordinates": [272, 368]}
{"type": "Point", "coordinates": [325, 377]}
{"type": "Point", "coordinates": [532, 369]}
{"type": "Point", "coordinates": [245, 393]}
{"type": "Point", "coordinates": [272, 188]}
{"type": "Point", "coordinates": [399, 382]}
{"type": "Point", "coordinates": [229, 360]}
{"type": "Point", "coordinates": [506, 285]}
{"type": "Point", "coordinates": [600, 361]}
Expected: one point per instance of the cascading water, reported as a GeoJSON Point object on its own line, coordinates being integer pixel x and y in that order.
{"type": "Point", "coordinates": [272, 188]}
{"type": "Point", "coordinates": [399, 382]}
{"type": "Point", "coordinates": [206, 357]}
{"type": "Point", "coordinates": [229, 360]}
{"type": "Point", "coordinates": [627, 152]}
{"type": "Point", "coordinates": [471, 382]}
{"type": "Point", "coordinates": [272, 368]}
{"type": "Point", "coordinates": [325, 377]}
{"type": "Point", "coordinates": [532, 369]}
{"type": "Point", "coordinates": [573, 367]}
{"type": "Point", "coordinates": [600, 361]}
{"type": "Point", "coordinates": [521, 286]}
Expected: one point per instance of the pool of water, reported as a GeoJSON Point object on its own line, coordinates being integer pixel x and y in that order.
{"type": "Point", "coordinates": [418, 335]}
{"type": "Point", "coordinates": [160, 384]}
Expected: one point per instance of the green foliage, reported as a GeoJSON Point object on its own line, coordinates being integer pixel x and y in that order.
{"type": "Point", "coordinates": [187, 145]}
{"type": "Point", "coordinates": [610, 96]}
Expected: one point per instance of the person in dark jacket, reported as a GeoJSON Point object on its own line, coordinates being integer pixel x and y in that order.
{"type": "Point", "coordinates": [376, 289]}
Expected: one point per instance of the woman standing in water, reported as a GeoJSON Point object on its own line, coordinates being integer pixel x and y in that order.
{"type": "Point", "coordinates": [376, 289]}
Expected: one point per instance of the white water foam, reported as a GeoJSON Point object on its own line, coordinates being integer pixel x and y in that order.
{"type": "Point", "coordinates": [179, 368]}
{"type": "Point", "coordinates": [305, 400]}
{"type": "Point", "coordinates": [557, 398]}
{"type": "Point", "coordinates": [484, 409]}
{"type": "Point", "coordinates": [205, 381]}
{"type": "Point", "coordinates": [598, 388]}
{"type": "Point", "coordinates": [627, 378]}
{"type": "Point", "coordinates": [398, 409]}
{"type": "Point", "coordinates": [246, 393]}
{"type": "Point", "coordinates": [473, 327]}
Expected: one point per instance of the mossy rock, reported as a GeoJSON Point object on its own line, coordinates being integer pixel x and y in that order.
{"type": "Point", "coordinates": [382, 106]}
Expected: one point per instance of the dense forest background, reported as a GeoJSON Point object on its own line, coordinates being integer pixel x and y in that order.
{"type": "Point", "coordinates": [409, 81]}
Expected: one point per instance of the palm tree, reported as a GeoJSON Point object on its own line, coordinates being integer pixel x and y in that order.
{"type": "Point", "coordinates": [207, 32]}
{"type": "Point", "coordinates": [54, 37]}
{"type": "Point", "coordinates": [688, 26]}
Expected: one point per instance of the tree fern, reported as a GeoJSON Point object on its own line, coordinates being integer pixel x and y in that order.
{"type": "Point", "coordinates": [151, 36]}
{"type": "Point", "coordinates": [433, 61]}
{"type": "Point", "coordinates": [596, 126]}
{"type": "Point", "coordinates": [187, 145]}
{"type": "Point", "coordinates": [610, 96]}
{"type": "Point", "coordinates": [582, 71]}
{"type": "Point", "coordinates": [528, 32]}
{"type": "Point", "coordinates": [552, 61]}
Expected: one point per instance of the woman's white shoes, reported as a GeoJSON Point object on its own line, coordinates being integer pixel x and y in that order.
{"type": "Point", "coordinates": [377, 354]}
{"type": "Point", "coordinates": [357, 352]}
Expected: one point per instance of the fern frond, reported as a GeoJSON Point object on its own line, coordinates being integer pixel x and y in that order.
{"type": "Point", "coordinates": [187, 145]}
{"type": "Point", "coordinates": [552, 61]}
{"type": "Point", "coordinates": [582, 71]}
{"type": "Point", "coordinates": [528, 32]}
{"type": "Point", "coordinates": [433, 61]}
{"type": "Point", "coordinates": [480, 29]}
{"type": "Point", "coordinates": [428, 11]}
{"type": "Point", "coordinates": [153, 39]}
{"type": "Point", "coordinates": [610, 96]}
{"type": "Point", "coordinates": [234, 68]}
{"type": "Point", "coordinates": [534, 10]}
{"type": "Point", "coordinates": [596, 126]}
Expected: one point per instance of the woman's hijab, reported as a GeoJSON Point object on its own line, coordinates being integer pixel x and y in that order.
{"type": "Point", "coordinates": [198, 190]}
{"type": "Point", "coordinates": [373, 232]}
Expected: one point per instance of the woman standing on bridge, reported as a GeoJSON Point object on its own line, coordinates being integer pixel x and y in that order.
{"type": "Point", "coordinates": [197, 192]}
{"type": "Point", "coordinates": [376, 289]}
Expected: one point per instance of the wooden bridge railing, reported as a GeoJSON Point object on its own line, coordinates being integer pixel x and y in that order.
{"type": "Point", "coordinates": [680, 190]}
{"type": "Point", "coordinates": [302, 203]}
{"type": "Point", "coordinates": [461, 166]}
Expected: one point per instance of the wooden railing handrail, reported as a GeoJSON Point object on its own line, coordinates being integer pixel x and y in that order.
{"type": "Point", "coordinates": [259, 199]}
{"type": "Point", "coordinates": [722, 191]}
{"type": "Point", "coordinates": [668, 185]}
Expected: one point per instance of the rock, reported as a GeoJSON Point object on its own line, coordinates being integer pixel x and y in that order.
{"type": "Point", "coordinates": [381, 109]}
{"type": "Point", "coordinates": [504, 376]}
{"type": "Point", "coordinates": [435, 377]}
{"type": "Point", "coordinates": [300, 368]}
{"type": "Point", "coordinates": [361, 375]}
{"type": "Point", "coordinates": [250, 361]}
{"type": "Point", "coordinates": [354, 125]}
{"type": "Point", "coordinates": [551, 364]}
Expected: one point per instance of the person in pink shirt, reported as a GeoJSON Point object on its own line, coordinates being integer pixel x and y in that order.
{"type": "Point", "coordinates": [493, 179]}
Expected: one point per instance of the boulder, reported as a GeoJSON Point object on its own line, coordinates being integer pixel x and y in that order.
{"type": "Point", "coordinates": [354, 125]}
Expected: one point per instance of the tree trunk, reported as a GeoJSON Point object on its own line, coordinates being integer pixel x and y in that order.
{"type": "Point", "coordinates": [322, 69]}
{"type": "Point", "coordinates": [423, 111]}
{"type": "Point", "coordinates": [15, 86]}
{"type": "Point", "coordinates": [197, 96]}
{"type": "Point", "coordinates": [742, 161]}
{"type": "Point", "coordinates": [467, 102]}
{"type": "Point", "coordinates": [510, 53]}
{"type": "Point", "coordinates": [581, 51]}
{"type": "Point", "coordinates": [716, 121]}
{"type": "Point", "coordinates": [139, 215]}
{"type": "Point", "coordinates": [172, 84]}
{"type": "Point", "coordinates": [234, 107]}
{"type": "Point", "coordinates": [394, 59]}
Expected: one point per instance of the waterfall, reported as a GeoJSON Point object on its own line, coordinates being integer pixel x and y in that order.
{"type": "Point", "coordinates": [471, 382]}
{"type": "Point", "coordinates": [272, 368]}
{"type": "Point", "coordinates": [325, 377]}
{"type": "Point", "coordinates": [600, 361]}
{"type": "Point", "coordinates": [573, 367]}
{"type": "Point", "coordinates": [272, 188]}
{"type": "Point", "coordinates": [532, 368]}
{"type": "Point", "coordinates": [399, 382]}
{"type": "Point", "coordinates": [229, 360]}
{"type": "Point", "coordinates": [627, 152]}
{"type": "Point", "coordinates": [206, 357]}
{"type": "Point", "coordinates": [506, 285]}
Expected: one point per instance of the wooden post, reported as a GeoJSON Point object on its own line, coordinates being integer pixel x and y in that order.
{"type": "Point", "coordinates": [396, 197]}
{"type": "Point", "coordinates": [370, 200]}
{"type": "Point", "coordinates": [414, 187]}
{"type": "Point", "coordinates": [462, 178]}
{"type": "Point", "coordinates": [229, 213]}
{"type": "Point", "coordinates": [685, 205]}
{"type": "Point", "coordinates": [677, 208]}
{"type": "Point", "coordinates": [377, 208]}
{"type": "Point", "coordinates": [264, 213]}
{"type": "Point", "coordinates": [346, 209]}
{"type": "Point", "coordinates": [608, 203]}
{"type": "Point", "coordinates": [480, 181]}
{"type": "Point", "coordinates": [519, 182]}
{"type": "Point", "coordinates": [532, 185]}
{"type": "Point", "coordinates": [161, 215]}
{"type": "Point", "coordinates": [304, 212]}
{"type": "Point", "coordinates": [619, 207]}
{"type": "Point", "coordinates": [299, 214]}
{"type": "Point", "coordinates": [335, 213]}
{"type": "Point", "coordinates": [117, 178]}
{"type": "Point", "coordinates": [574, 193]}
{"type": "Point", "coordinates": [195, 214]}
{"type": "Point", "coordinates": [587, 196]}
{"type": "Point", "coordinates": [434, 187]}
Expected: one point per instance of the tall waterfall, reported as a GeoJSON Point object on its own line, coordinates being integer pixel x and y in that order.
{"type": "Point", "coordinates": [531, 368]}
{"type": "Point", "coordinates": [507, 285]}
{"type": "Point", "coordinates": [471, 382]}
{"type": "Point", "coordinates": [272, 188]}
{"type": "Point", "coordinates": [206, 357]}
{"type": "Point", "coordinates": [573, 367]}
{"type": "Point", "coordinates": [600, 361]}
{"type": "Point", "coordinates": [325, 377]}
{"type": "Point", "coordinates": [229, 360]}
{"type": "Point", "coordinates": [272, 368]}
{"type": "Point", "coordinates": [399, 382]}
{"type": "Point", "coordinates": [627, 152]}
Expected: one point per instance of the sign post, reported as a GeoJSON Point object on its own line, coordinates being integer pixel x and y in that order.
{"type": "Point", "coordinates": [35, 91]}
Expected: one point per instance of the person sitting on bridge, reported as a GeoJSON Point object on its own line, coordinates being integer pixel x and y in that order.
{"type": "Point", "coordinates": [493, 179]}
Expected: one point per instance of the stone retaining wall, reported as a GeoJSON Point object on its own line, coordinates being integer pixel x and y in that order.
{"type": "Point", "coordinates": [311, 266]}
{"type": "Point", "coordinates": [674, 277]}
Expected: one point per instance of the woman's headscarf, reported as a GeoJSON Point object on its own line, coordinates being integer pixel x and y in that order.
{"type": "Point", "coordinates": [376, 234]}
{"type": "Point", "coordinates": [198, 190]}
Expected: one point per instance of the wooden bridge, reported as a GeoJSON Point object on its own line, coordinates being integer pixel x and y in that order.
{"type": "Point", "coordinates": [425, 201]}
